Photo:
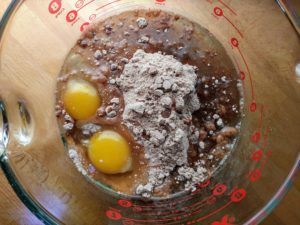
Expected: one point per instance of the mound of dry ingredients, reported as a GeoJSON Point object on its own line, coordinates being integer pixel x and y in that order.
{"type": "Point", "coordinates": [184, 144]}
{"type": "Point", "coordinates": [160, 97]}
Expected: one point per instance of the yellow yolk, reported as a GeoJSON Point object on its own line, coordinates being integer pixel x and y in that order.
{"type": "Point", "coordinates": [81, 99]}
{"type": "Point", "coordinates": [109, 152]}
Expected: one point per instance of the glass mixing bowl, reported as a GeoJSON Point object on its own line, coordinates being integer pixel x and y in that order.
{"type": "Point", "coordinates": [36, 36]}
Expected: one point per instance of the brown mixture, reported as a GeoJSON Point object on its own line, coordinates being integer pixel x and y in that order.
{"type": "Point", "coordinates": [168, 87]}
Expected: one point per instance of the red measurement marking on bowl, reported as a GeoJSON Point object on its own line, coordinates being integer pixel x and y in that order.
{"type": "Point", "coordinates": [226, 220]}
{"type": "Point", "coordinates": [232, 190]}
{"type": "Point", "coordinates": [212, 200]}
{"type": "Point", "coordinates": [253, 107]}
{"type": "Point", "coordinates": [200, 204]}
{"type": "Point", "coordinates": [228, 7]}
{"type": "Point", "coordinates": [72, 15]}
{"type": "Point", "coordinates": [155, 221]}
{"type": "Point", "coordinates": [255, 175]}
{"type": "Point", "coordinates": [261, 116]}
{"type": "Point", "coordinates": [191, 222]}
{"type": "Point", "coordinates": [193, 209]}
{"type": "Point", "coordinates": [84, 5]}
{"type": "Point", "coordinates": [200, 186]}
{"type": "Point", "coordinates": [84, 26]}
{"type": "Point", "coordinates": [238, 195]}
{"type": "Point", "coordinates": [107, 4]}
{"type": "Point", "coordinates": [266, 136]}
{"type": "Point", "coordinates": [235, 43]}
{"type": "Point", "coordinates": [255, 137]}
{"type": "Point", "coordinates": [54, 6]}
{"type": "Point", "coordinates": [79, 4]}
{"type": "Point", "coordinates": [204, 184]}
{"type": "Point", "coordinates": [113, 215]}
{"type": "Point", "coordinates": [125, 203]}
{"type": "Point", "coordinates": [219, 189]}
{"type": "Point", "coordinates": [137, 209]}
{"type": "Point", "coordinates": [160, 213]}
{"type": "Point", "coordinates": [257, 155]}
{"type": "Point", "coordinates": [267, 157]}
{"type": "Point", "coordinates": [220, 13]}
{"type": "Point", "coordinates": [213, 213]}
{"type": "Point", "coordinates": [196, 206]}
{"type": "Point", "coordinates": [192, 213]}
{"type": "Point", "coordinates": [126, 222]}
{"type": "Point", "coordinates": [160, 2]}
{"type": "Point", "coordinates": [242, 75]}
{"type": "Point", "coordinates": [92, 17]}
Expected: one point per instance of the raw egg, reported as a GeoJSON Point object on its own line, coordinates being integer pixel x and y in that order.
{"type": "Point", "coordinates": [81, 99]}
{"type": "Point", "coordinates": [110, 153]}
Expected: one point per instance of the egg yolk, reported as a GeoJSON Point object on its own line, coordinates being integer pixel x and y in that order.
{"type": "Point", "coordinates": [109, 152]}
{"type": "Point", "coordinates": [81, 99]}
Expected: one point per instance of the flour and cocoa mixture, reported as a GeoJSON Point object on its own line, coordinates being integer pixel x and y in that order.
{"type": "Point", "coordinates": [160, 95]}
{"type": "Point", "coordinates": [168, 87]}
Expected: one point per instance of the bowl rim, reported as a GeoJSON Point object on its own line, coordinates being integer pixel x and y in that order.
{"type": "Point", "coordinates": [41, 213]}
